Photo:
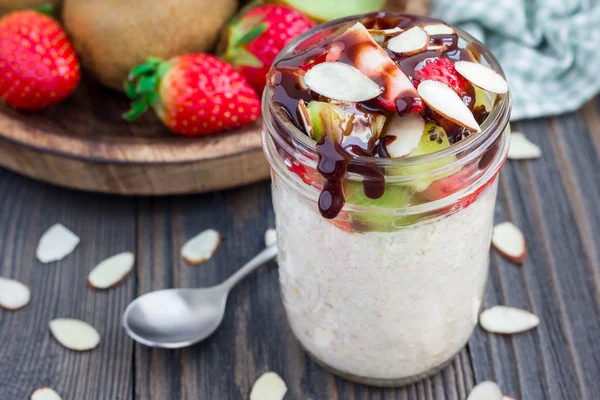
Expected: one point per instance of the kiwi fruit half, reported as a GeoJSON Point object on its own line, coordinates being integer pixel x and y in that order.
{"type": "Point", "coordinates": [113, 36]}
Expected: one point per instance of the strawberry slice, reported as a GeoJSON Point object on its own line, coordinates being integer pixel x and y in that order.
{"type": "Point", "coordinates": [312, 61]}
{"type": "Point", "coordinates": [446, 186]}
{"type": "Point", "coordinates": [452, 183]}
{"type": "Point", "coordinates": [357, 47]}
{"type": "Point", "coordinates": [442, 70]}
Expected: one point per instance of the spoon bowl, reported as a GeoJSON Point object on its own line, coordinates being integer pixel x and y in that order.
{"type": "Point", "coordinates": [175, 318]}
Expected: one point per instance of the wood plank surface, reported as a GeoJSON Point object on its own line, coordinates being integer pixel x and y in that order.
{"type": "Point", "coordinates": [29, 356]}
{"type": "Point", "coordinates": [554, 200]}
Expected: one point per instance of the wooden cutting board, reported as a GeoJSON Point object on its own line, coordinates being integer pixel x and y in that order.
{"type": "Point", "coordinates": [83, 143]}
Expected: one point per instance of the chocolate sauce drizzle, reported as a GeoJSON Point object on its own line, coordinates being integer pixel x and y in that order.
{"type": "Point", "coordinates": [335, 159]}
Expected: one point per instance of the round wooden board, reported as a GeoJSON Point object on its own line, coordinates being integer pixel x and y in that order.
{"type": "Point", "coordinates": [83, 143]}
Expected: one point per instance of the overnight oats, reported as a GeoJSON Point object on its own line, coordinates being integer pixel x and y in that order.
{"type": "Point", "coordinates": [385, 134]}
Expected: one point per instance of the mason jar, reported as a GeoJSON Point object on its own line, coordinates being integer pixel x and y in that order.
{"type": "Point", "coordinates": [389, 292]}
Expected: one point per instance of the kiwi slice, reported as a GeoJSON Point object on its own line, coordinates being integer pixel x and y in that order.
{"type": "Point", "coordinates": [482, 99]}
{"type": "Point", "coordinates": [434, 139]}
{"type": "Point", "coordinates": [378, 217]}
{"type": "Point", "coordinates": [321, 11]}
{"type": "Point", "coordinates": [329, 120]}
{"type": "Point", "coordinates": [342, 120]}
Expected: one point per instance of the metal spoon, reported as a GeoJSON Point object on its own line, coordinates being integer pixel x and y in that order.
{"type": "Point", "coordinates": [175, 318]}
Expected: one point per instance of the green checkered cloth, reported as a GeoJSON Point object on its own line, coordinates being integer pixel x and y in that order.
{"type": "Point", "coordinates": [549, 49]}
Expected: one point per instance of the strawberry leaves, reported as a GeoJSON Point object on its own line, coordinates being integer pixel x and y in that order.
{"type": "Point", "coordinates": [252, 34]}
{"type": "Point", "coordinates": [142, 84]}
{"type": "Point", "coordinates": [241, 33]}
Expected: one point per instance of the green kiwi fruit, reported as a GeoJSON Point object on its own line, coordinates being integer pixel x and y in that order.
{"type": "Point", "coordinates": [113, 36]}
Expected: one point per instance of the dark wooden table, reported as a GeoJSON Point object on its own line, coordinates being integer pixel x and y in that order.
{"type": "Point", "coordinates": [555, 200]}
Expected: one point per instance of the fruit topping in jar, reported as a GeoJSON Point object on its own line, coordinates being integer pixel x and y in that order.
{"type": "Point", "coordinates": [386, 87]}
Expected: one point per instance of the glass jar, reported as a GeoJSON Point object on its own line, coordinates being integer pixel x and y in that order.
{"type": "Point", "coordinates": [387, 292]}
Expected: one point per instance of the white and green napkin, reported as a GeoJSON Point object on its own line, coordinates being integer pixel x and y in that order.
{"type": "Point", "coordinates": [549, 49]}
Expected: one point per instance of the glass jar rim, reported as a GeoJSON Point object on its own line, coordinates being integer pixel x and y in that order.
{"type": "Point", "coordinates": [473, 145]}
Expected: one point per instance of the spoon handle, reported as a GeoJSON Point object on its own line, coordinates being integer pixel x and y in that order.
{"type": "Point", "coordinates": [264, 256]}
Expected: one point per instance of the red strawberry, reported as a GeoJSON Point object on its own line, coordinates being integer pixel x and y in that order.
{"type": "Point", "coordinates": [255, 39]}
{"type": "Point", "coordinates": [442, 70]}
{"type": "Point", "coordinates": [38, 66]}
{"type": "Point", "coordinates": [195, 94]}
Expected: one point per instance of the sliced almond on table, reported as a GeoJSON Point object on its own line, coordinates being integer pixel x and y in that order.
{"type": "Point", "coordinates": [269, 386]}
{"type": "Point", "coordinates": [482, 76]}
{"type": "Point", "coordinates": [305, 118]}
{"type": "Point", "coordinates": [446, 102]}
{"type": "Point", "coordinates": [438, 29]}
{"type": "Point", "coordinates": [201, 247]}
{"type": "Point", "coordinates": [486, 390]}
{"type": "Point", "coordinates": [521, 148]}
{"type": "Point", "coordinates": [270, 237]}
{"type": "Point", "coordinates": [56, 243]}
{"type": "Point", "coordinates": [74, 334]}
{"type": "Point", "coordinates": [13, 294]}
{"type": "Point", "coordinates": [508, 398]}
{"type": "Point", "coordinates": [507, 320]}
{"type": "Point", "coordinates": [45, 393]}
{"type": "Point", "coordinates": [510, 242]}
{"type": "Point", "coordinates": [343, 82]}
{"type": "Point", "coordinates": [403, 135]}
{"type": "Point", "coordinates": [409, 42]}
{"type": "Point", "coordinates": [112, 271]}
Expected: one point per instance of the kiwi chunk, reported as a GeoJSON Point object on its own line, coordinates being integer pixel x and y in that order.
{"type": "Point", "coordinates": [329, 120]}
{"type": "Point", "coordinates": [321, 11]}
{"type": "Point", "coordinates": [339, 121]}
{"type": "Point", "coordinates": [482, 99]}
{"type": "Point", "coordinates": [378, 215]}
{"type": "Point", "coordinates": [434, 139]}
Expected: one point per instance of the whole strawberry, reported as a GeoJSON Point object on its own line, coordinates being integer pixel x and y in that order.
{"type": "Point", "coordinates": [194, 94]}
{"type": "Point", "coordinates": [38, 66]}
{"type": "Point", "coordinates": [255, 39]}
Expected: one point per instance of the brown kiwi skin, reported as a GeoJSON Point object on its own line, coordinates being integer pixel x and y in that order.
{"type": "Point", "coordinates": [113, 36]}
{"type": "Point", "coordinates": [7, 6]}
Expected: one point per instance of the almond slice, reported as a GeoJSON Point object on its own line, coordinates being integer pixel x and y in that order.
{"type": "Point", "coordinates": [486, 390]}
{"type": "Point", "coordinates": [441, 47]}
{"type": "Point", "coordinates": [510, 242]}
{"type": "Point", "coordinates": [44, 393]}
{"type": "Point", "coordinates": [412, 41]}
{"type": "Point", "coordinates": [112, 271]}
{"type": "Point", "coordinates": [305, 118]}
{"type": "Point", "coordinates": [507, 320]}
{"type": "Point", "coordinates": [74, 334]}
{"type": "Point", "coordinates": [482, 76]}
{"type": "Point", "coordinates": [508, 398]}
{"type": "Point", "coordinates": [269, 386]}
{"type": "Point", "coordinates": [445, 101]}
{"type": "Point", "coordinates": [57, 243]}
{"type": "Point", "coordinates": [438, 29]}
{"type": "Point", "coordinates": [385, 32]}
{"type": "Point", "coordinates": [270, 237]}
{"type": "Point", "coordinates": [13, 294]}
{"type": "Point", "coordinates": [201, 247]}
{"type": "Point", "coordinates": [343, 82]}
{"type": "Point", "coordinates": [403, 135]}
{"type": "Point", "coordinates": [522, 149]}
